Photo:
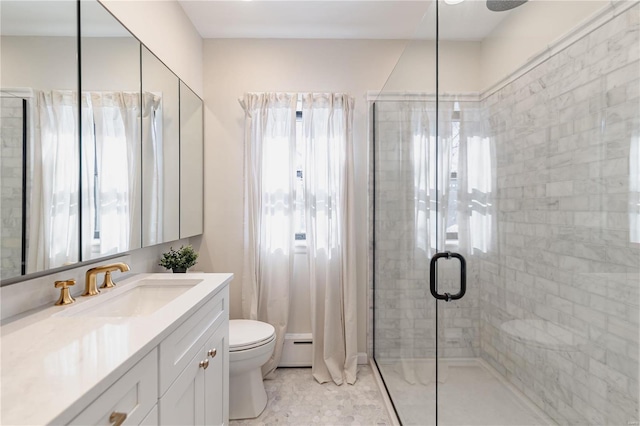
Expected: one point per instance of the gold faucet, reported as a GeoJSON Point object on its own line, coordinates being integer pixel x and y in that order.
{"type": "Point", "coordinates": [91, 288]}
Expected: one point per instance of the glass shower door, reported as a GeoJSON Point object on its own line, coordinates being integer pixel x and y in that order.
{"type": "Point", "coordinates": [538, 179]}
{"type": "Point", "coordinates": [403, 196]}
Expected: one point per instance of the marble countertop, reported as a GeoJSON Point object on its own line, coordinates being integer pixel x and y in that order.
{"type": "Point", "coordinates": [52, 365]}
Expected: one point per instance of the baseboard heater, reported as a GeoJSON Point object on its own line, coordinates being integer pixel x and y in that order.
{"type": "Point", "coordinates": [297, 351]}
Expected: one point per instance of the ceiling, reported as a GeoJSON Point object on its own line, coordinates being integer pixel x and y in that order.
{"type": "Point", "coordinates": [335, 19]}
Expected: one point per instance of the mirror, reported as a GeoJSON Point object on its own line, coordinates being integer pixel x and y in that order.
{"type": "Point", "coordinates": [191, 163]}
{"type": "Point", "coordinates": [39, 138]}
{"type": "Point", "coordinates": [111, 134]}
{"type": "Point", "coordinates": [160, 152]}
{"type": "Point", "coordinates": [63, 201]}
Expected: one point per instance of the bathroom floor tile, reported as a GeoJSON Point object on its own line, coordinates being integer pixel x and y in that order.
{"type": "Point", "coordinates": [296, 398]}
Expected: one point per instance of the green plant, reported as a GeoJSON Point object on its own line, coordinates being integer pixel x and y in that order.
{"type": "Point", "coordinates": [184, 257]}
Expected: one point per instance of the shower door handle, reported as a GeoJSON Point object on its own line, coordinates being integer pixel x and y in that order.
{"type": "Point", "coordinates": [463, 276]}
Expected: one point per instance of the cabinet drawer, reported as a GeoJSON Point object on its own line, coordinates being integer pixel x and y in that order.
{"type": "Point", "coordinates": [185, 342]}
{"type": "Point", "coordinates": [134, 394]}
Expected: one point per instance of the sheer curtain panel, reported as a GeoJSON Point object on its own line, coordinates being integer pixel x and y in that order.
{"type": "Point", "coordinates": [53, 151]}
{"type": "Point", "coordinates": [111, 178]}
{"type": "Point", "coordinates": [269, 156]}
{"type": "Point", "coordinates": [329, 187]}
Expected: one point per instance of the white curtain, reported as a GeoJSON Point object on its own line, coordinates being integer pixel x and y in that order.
{"type": "Point", "coordinates": [153, 158]}
{"type": "Point", "coordinates": [329, 187]}
{"type": "Point", "coordinates": [268, 215]}
{"type": "Point", "coordinates": [463, 151]}
{"type": "Point", "coordinates": [419, 148]}
{"type": "Point", "coordinates": [420, 117]}
{"type": "Point", "coordinates": [476, 182]}
{"type": "Point", "coordinates": [53, 231]}
{"type": "Point", "coordinates": [111, 178]}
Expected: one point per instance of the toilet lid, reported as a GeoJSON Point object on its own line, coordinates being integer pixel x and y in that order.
{"type": "Point", "coordinates": [247, 334]}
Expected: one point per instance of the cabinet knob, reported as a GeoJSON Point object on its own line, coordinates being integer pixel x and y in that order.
{"type": "Point", "coordinates": [117, 419]}
{"type": "Point", "coordinates": [204, 364]}
{"type": "Point", "coordinates": [212, 352]}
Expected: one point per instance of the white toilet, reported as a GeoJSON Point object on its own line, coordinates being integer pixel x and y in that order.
{"type": "Point", "coordinates": [251, 344]}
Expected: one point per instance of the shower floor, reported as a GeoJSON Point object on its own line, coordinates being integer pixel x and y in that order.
{"type": "Point", "coordinates": [471, 393]}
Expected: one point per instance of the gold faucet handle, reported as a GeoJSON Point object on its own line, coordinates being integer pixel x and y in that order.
{"type": "Point", "coordinates": [65, 296]}
{"type": "Point", "coordinates": [108, 282]}
{"type": "Point", "coordinates": [108, 269]}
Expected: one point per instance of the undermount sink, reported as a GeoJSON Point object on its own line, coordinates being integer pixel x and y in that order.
{"type": "Point", "coordinates": [138, 299]}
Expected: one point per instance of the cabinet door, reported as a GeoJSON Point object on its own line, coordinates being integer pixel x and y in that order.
{"type": "Point", "coordinates": [216, 378]}
{"type": "Point", "coordinates": [183, 404]}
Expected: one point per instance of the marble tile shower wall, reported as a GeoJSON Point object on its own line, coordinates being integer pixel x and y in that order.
{"type": "Point", "coordinates": [568, 266]}
{"type": "Point", "coordinates": [405, 310]}
{"type": "Point", "coordinates": [11, 195]}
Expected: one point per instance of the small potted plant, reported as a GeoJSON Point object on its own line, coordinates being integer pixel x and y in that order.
{"type": "Point", "coordinates": [179, 260]}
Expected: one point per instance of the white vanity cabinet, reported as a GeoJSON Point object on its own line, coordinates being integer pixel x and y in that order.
{"type": "Point", "coordinates": [183, 381]}
{"type": "Point", "coordinates": [139, 349]}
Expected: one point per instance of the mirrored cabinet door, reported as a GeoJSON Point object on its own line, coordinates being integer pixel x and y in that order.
{"type": "Point", "coordinates": [191, 163]}
{"type": "Point", "coordinates": [39, 186]}
{"type": "Point", "coordinates": [111, 109]}
{"type": "Point", "coordinates": [160, 152]}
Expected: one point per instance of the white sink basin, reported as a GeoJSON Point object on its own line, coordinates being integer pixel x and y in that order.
{"type": "Point", "coordinates": [138, 299]}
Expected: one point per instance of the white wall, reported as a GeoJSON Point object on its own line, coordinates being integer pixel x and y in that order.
{"type": "Point", "coordinates": [416, 70]}
{"type": "Point", "coordinates": [163, 27]}
{"type": "Point", "coordinates": [528, 31]}
{"type": "Point", "coordinates": [233, 67]}
{"type": "Point", "coordinates": [39, 62]}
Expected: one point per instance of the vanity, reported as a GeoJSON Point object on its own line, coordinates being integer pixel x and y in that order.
{"type": "Point", "coordinates": [152, 350]}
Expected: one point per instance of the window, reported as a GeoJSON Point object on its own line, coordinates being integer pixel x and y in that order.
{"type": "Point", "coordinates": [452, 207]}
{"type": "Point", "coordinates": [299, 221]}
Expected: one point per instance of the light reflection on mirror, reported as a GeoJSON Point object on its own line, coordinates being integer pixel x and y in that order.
{"type": "Point", "coordinates": [191, 163]}
{"type": "Point", "coordinates": [38, 80]}
{"type": "Point", "coordinates": [111, 132]}
{"type": "Point", "coordinates": [161, 152]}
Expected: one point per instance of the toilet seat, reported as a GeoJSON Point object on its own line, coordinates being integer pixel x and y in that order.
{"type": "Point", "coordinates": [248, 334]}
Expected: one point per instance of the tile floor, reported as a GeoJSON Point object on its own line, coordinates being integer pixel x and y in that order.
{"type": "Point", "coordinates": [296, 398]}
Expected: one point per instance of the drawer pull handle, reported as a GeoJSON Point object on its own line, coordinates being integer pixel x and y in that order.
{"type": "Point", "coordinates": [204, 364]}
{"type": "Point", "coordinates": [212, 352]}
{"type": "Point", "coordinates": [117, 418]}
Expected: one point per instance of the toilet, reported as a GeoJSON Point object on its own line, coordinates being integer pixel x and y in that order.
{"type": "Point", "coordinates": [251, 344]}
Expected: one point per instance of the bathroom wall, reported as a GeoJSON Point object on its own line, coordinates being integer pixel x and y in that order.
{"type": "Point", "coordinates": [233, 67]}
{"type": "Point", "coordinates": [528, 31]}
{"type": "Point", "coordinates": [559, 298]}
{"type": "Point", "coordinates": [43, 64]}
{"type": "Point", "coordinates": [166, 30]}
{"type": "Point", "coordinates": [415, 72]}
{"type": "Point", "coordinates": [176, 42]}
